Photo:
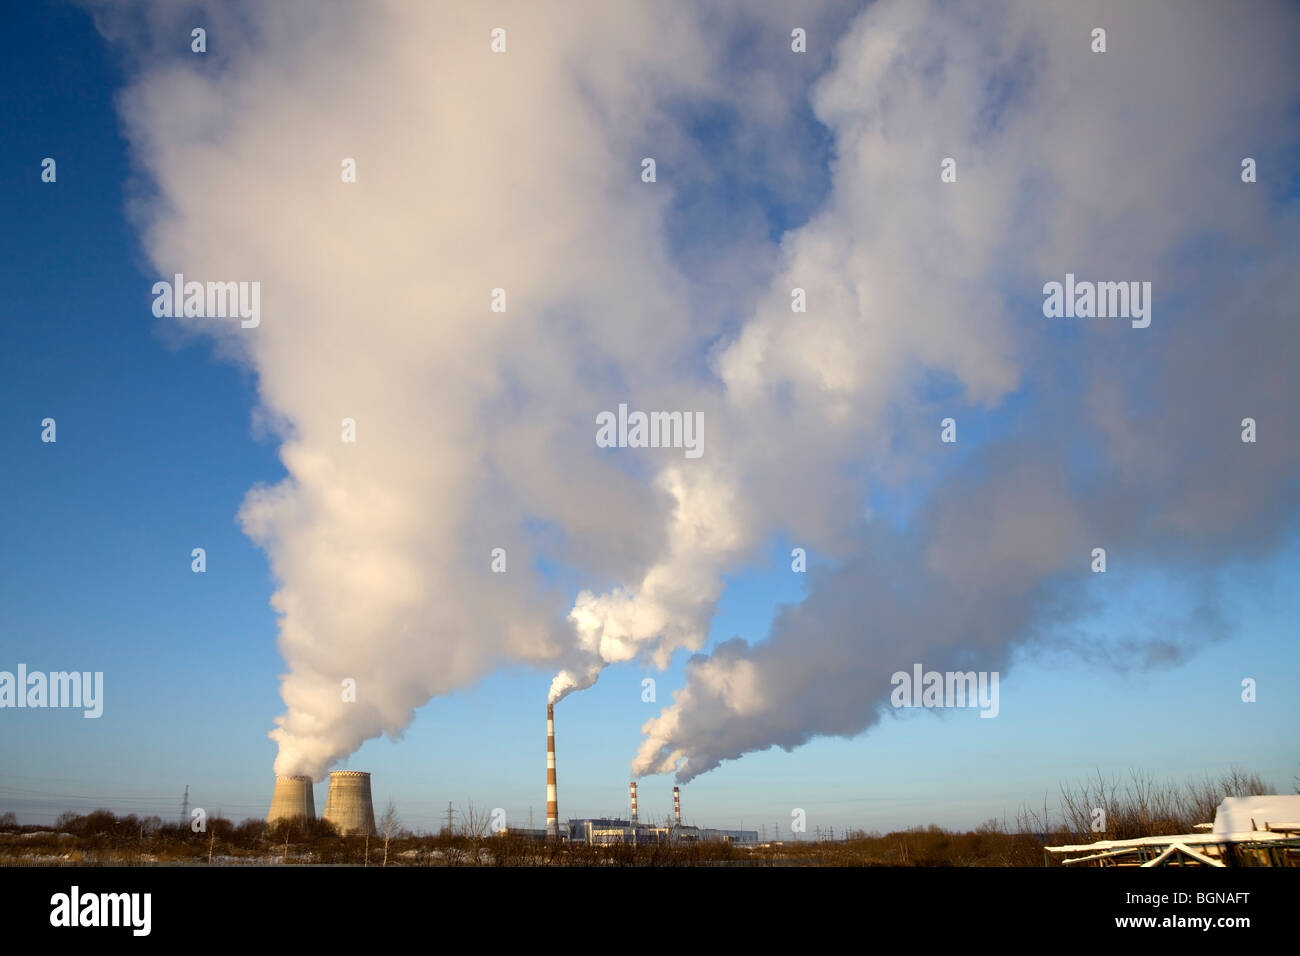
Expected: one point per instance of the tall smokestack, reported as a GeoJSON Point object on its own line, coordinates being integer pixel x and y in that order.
{"type": "Point", "coordinates": [293, 797]}
{"type": "Point", "coordinates": [677, 806]}
{"type": "Point", "coordinates": [348, 805]}
{"type": "Point", "coordinates": [632, 791]}
{"type": "Point", "coordinates": [552, 808]}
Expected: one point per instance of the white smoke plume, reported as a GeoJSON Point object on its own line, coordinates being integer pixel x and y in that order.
{"type": "Point", "coordinates": [476, 171]}
{"type": "Point", "coordinates": [1121, 165]}
{"type": "Point", "coordinates": [521, 171]}
{"type": "Point", "coordinates": [670, 607]}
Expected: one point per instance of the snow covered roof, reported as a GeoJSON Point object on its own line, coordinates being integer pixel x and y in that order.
{"type": "Point", "coordinates": [1238, 815]}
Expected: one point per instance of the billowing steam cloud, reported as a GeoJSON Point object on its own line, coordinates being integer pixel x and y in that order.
{"type": "Point", "coordinates": [670, 608]}
{"type": "Point", "coordinates": [476, 171]}
{"type": "Point", "coordinates": [1123, 166]}
{"type": "Point", "coordinates": [521, 171]}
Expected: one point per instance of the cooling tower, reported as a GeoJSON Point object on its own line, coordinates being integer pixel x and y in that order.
{"type": "Point", "coordinates": [677, 807]}
{"type": "Point", "coordinates": [632, 791]}
{"type": "Point", "coordinates": [293, 797]}
{"type": "Point", "coordinates": [348, 805]}
{"type": "Point", "coordinates": [552, 807]}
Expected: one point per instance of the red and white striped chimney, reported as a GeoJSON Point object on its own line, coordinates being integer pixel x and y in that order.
{"type": "Point", "coordinates": [632, 791]}
{"type": "Point", "coordinates": [552, 809]}
{"type": "Point", "coordinates": [677, 806]}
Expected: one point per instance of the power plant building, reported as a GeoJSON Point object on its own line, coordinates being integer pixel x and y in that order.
{"type": "Point", "coordinates": [607, 830]}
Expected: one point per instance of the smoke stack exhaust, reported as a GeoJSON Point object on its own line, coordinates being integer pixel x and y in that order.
{"type": "Point", "coordinates": [632, 791]}
{"type": "Point", "coordinates": [348, 805]}
{"type": "Point", "coordinates": [293, 797]}
{"type": "Point", "coordinates": [677, 806]}
{"type": "Point", "coordinates": [552, 807]}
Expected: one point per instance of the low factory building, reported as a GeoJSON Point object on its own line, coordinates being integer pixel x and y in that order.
{"type": "Point", "coordinates": [606, 831]}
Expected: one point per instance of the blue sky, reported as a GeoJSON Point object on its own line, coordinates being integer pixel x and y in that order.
{"type": "Point", "coordinates": [156, 450]}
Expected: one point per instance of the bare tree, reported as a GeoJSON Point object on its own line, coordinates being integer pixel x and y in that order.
{"type": "Point", "coordinates": [475, 824]}
{"type": "Point", "coordinates": [388, 826]}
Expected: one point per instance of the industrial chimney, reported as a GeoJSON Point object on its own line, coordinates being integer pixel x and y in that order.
{"type": "Point", "coordinates": [632, 790]}
{"type": "Point", "coordinates": [348, 805]}
{"type": "Point", "coordinates": [293, 797]}
{"type": "Point", "coordinates": [677, 807]}
{"type": "Point", "coordinates": [552, 808]}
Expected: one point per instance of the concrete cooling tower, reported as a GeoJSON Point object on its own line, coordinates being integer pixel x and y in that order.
{"type": "Point", "coordinates": [348, 805]}
{"type": "Point", "coordinates": [293, 797]}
